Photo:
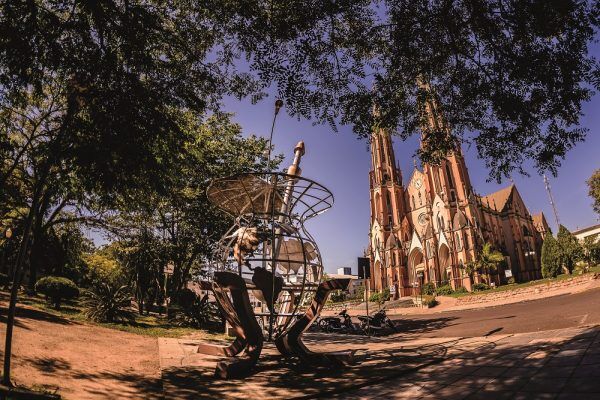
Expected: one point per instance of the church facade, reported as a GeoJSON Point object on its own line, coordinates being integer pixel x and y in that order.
{"type": "Point", "coordinates": [430, 228]}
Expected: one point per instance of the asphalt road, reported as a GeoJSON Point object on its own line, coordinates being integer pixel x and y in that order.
{"type": "Point", "coordinates": [557, 312]}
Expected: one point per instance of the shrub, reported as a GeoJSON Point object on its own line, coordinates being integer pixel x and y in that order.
{"type": "Point", "coordinates": [478, 287]}
{"type": "Point", "coordinates": [461, 289]}
{"type": "Point", "coordinates": [199, 314]}
{"type": "Point", "coordinates": [385, 294]}
{"type": "Point", "coordinates": [428, 288]}
{"type": "Point", "coordinates": [511, 280]}
{"type": "Point", "coordinates": [56, 289]}
{"type": "Point", "coordinates": [550, 257]}
{"type": "Point", "coordinates": [444, 290]}
{"type": "Point", "coordinates": [375, 297]}
{"type": "Point", "coordinates": [186, 298]}
{"type": "Point", "coordinates": [337, 296]}
{"type": "Point", "coordinates": [380, 297]}
{"type": "Point", "coordinates": [429, 301]}
{"type": "Point", "coordinates": [108, 303]}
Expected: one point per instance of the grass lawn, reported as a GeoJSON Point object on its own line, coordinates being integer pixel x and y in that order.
{"type": "Point", "coordinates": [147, 325]}
{"type": "Point", "coordinates": [515, 286]}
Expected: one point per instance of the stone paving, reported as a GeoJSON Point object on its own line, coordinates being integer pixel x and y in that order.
{"type": "Point", "coordinates": [562, 364]}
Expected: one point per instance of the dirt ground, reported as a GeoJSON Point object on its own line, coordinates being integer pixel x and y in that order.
{"type": "Point", "coordinates": [82, 361]}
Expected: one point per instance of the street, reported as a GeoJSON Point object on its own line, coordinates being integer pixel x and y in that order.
{"type": "Point", "coordinates": [557, 312]}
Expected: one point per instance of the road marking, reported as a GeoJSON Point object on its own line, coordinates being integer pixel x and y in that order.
{"type": "Point", "coordinates": [583, 319]}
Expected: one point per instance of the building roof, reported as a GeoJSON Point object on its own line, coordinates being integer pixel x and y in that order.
{"type": "Point", "coordinates": [539, 220]}
{"type": "Point", "coordinates": [340, 276]}
{"type": "Point", "coordinates": [498, 199]}
{"type": "Point", "coordinates": [589, 228]}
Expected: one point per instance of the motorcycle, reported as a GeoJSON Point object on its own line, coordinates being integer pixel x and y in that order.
{"type": "Point", "coordinates": [348, 325]}
{"type": "Point", "coordinates": [376, 323]}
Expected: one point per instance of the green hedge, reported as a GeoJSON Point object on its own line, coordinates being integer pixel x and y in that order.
{"type": "Point", "coordinates": [428, 288]}
{"type": "Point", "coordinates": [56, 289]}
{"type": "Point", "coordinates": [478, 287]}
{"type": "Point", "coordinates": [444, 290]}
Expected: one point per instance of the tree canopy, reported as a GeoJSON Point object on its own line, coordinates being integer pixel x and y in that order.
{"type": "Point", "coordinates": [550, 257]}
{"type": "Point", "coordinates": [594, 190]}
{"type": "Point", "coordinates": [509, 76]}
{"type": "Point", "coordinates": [569, 249]}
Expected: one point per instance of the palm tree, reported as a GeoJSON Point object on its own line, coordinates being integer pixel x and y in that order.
{"type": "Point", "coordinates": [488, 259]}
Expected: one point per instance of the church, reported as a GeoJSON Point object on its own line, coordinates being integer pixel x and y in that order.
{"type": "Point", "coordinates": [429, 229]}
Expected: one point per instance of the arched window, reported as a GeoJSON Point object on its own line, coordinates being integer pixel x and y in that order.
{"type": "Point", "coordinates": [440, 222]}
{"type": "Point", "coordinates": [467, 242]}
{"type": "Point", "coordinates": [412, 197]}
{"type": "Point", "coordinates": [428, 250]}
{"type": "Point", "coordinates": [458, 245]}
{"type": "Point", "coordinates": [436, 181]}
{"type": "Point", "coordinates": [449, 173]}
{"type": "Point", "coordinates": [420, 199]}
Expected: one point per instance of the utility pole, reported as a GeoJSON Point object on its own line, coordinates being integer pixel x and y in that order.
{"type": "Point", "coordinates": [548, 189]}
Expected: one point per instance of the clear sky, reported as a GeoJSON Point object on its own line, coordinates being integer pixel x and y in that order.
{"type": "Point", "coordinates": [341, 162]}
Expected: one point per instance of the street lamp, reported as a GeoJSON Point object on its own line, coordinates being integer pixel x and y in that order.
{"type": "Point", "coordinates": [8, 233]}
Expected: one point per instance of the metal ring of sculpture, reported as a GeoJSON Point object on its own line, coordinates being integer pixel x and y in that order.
{"type": "Point", "coordinates": [269, 254]}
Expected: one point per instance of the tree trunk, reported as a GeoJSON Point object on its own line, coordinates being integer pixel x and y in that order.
{"type": "Point", "coordinates": [10, 320]}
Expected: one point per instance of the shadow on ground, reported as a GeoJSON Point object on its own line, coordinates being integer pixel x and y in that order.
{"type": "Point", "coordinates": [472, 362]}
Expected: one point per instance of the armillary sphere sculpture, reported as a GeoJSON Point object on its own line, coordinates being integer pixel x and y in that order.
{"type": "Point", "coordinates": [268, 257]}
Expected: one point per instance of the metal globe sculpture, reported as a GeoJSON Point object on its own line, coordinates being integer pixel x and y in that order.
{"type": "Point", "coordinates": [268, 257]}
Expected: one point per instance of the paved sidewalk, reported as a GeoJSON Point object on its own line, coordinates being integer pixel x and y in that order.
{"type": "Point", "coordinates": [553, 364]}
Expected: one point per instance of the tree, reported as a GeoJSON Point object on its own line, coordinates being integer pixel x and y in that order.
{"type": "Point", "coordinates": [591, 250]}
{"type": "Point", "coordinates": [488, 259]}
{"type": "Point", "coordinates": [470, 269]}
{"type": "Point", "coordinates": [550, 257]}
{"type": "Point", "coordinates": [569, 249]}
{"type": "Point", "coordinates": [594, 189]}
{"type": "Point", "coordinates": [182, 226]}
{"type": "Point", "coordinates": [512, 74]}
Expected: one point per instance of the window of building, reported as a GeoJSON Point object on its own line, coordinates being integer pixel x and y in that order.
{"type": "Point", "coordinates": [449, 173]}
{"type": "Point", "coordinates": [458, 245]}
{"type": "Point", "coordinates": [467, 242]}
{"type": "Point", "coordinates": [436, 181]}
{"type": "Point", "coordinates": [452, 195]}
{"type": "Point", "coordinates": [420, 199]}
{"type": "Point", "coordinates": [428, 250]}
{"type": "Point", "coordinates": [413, 201]}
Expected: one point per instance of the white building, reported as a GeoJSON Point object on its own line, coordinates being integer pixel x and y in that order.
{"type": "Point", "coordinates": [581, 234]}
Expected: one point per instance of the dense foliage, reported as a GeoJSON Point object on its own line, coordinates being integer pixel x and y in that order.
{"type": "Point", "coordinates": [488, 260]}
{"type": "Point", "coordinates": [444, 290]}
{"type": "Point", "coordinates": [478, 287]}
{"type": "Point", "coordinates": [108, 302]}
{"type": "Point", "coordinates": [550, 257]}
{"type": "Point", "coordinates": [569, 249]}
{"type": "Point", "coordinates": [56, 289]}
{"type": "Point", "coordinates": [591, 250]}
{"type": "Point", "coordinates": [594, 189]}
{"type": "Point", "coordinates": [514, 74]}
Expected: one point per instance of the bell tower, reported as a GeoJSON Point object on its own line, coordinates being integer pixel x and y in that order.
{"type": "Point", "coordinates": [450, 179]}
{"type": "Point", "coordinates": [387, 211]}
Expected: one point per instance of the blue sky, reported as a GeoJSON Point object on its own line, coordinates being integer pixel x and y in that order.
{"type": "Point", "coordinates": [341, 162]}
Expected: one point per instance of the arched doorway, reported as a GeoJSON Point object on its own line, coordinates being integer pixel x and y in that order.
{"type": "Point", "coordinates": [445, 263]}
{"type": "Point", "coordinates": [416, 265]}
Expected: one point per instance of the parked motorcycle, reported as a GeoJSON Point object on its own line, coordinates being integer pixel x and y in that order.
{"type": "Point", "coordinates": [330, 324]}
{"type": "Point", "coordinates": [376, 323]}
{"type": "Point", "coordinates": [349, 326]}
